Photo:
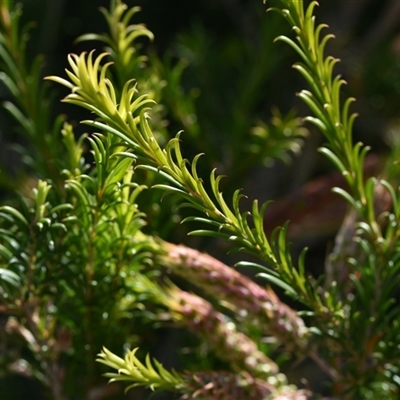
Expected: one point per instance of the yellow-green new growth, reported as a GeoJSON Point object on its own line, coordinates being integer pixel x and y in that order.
{"type": "Point", "coordinates": [131, 369]}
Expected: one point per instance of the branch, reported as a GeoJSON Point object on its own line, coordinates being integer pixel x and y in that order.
{"type": "Point", "coordinates": [216, 329]}
{"type": "Point", "coordinates": [258, 306]}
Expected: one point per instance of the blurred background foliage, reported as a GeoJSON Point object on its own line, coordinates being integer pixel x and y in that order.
{"type": "Point", "coordinates": [229, 87]}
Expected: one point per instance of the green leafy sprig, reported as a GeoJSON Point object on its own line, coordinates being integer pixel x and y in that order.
{"type": "Point", "coordinates": [121, 40]}
{"type": "Point", "coordinates": [131, 369]}
{"type": "Point", "coordinates": [372, 268]}
{"type": "Point", "coordinates": [127, 119]}
{"type": "Point", "coordinates": [30, 105]}
{"type": "Point", "coordinates": [333, 117]}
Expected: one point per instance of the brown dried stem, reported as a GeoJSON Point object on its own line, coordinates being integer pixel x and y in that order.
{"type": "Point", "coordinates": [228, 386]}
{"type": "Point", "coordinates": [256, 305]}
{"type": "Point", "coordinates": [230, 345]}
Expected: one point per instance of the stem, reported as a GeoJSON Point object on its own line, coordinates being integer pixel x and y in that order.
{"type": "Point", "coordinates": [256, 304]}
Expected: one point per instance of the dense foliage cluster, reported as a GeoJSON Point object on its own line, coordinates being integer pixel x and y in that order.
{"type": "Point", "coordinates": [87, 267]}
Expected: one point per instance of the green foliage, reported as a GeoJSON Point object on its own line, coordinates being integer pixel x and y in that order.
{"type": "Point", "coordinates": [31, 105]}
{"type": "Point", "coordinates": [131, 369]}
{"type": "Point", "coordinates": [116, 117]}
{"type": "Point", "coordinates": [78, 273]}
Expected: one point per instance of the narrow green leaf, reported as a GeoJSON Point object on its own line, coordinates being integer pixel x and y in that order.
{"type": "Point", "coordinates": [278, 282]}
{"type": "Point", "coordinates": [14, 213]}
{"type": "Point", "coordinates": [10, 277]}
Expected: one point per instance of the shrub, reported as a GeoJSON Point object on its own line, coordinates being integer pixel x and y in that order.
{"type": "Point", "coordinates": [83, 266]}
